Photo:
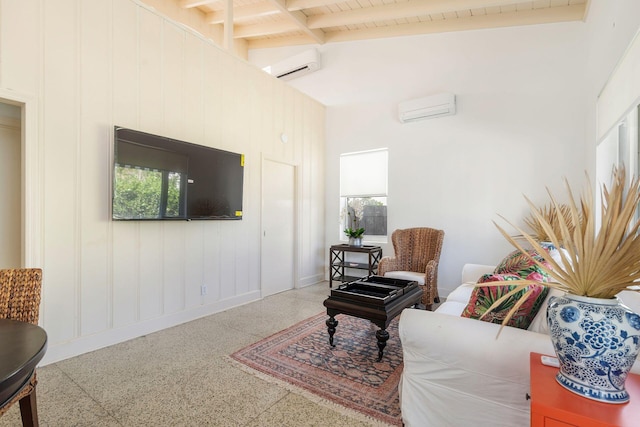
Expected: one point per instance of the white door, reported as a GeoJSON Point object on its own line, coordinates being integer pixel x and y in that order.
{"type": "Point", "coordinates": [278, 227]}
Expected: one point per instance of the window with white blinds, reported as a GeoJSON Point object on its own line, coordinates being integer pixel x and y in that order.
{"type": "Point", "coordinates": [363, 193]}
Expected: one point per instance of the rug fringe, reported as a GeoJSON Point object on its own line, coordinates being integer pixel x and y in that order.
{"type": "Point", "coordinates": [309, 395]}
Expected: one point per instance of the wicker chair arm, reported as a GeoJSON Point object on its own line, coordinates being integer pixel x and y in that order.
{"type": "Point", "coordinates": [431, 284]}
{"type": "Point", "coordinates": [387, 264]}
{"type": "Point", "coordinates": [431, 273]}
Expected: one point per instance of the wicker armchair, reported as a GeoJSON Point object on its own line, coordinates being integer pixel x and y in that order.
{"type": "Point", "coordinates": [20, 300]}
{"type": "Point", "coordinates": [417, 253]}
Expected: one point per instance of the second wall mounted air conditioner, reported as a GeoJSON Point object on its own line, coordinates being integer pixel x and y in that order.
{"type": "Point", "coordinates": [296, 66]}
{"type": "Point", "coordinates": [439, 105]}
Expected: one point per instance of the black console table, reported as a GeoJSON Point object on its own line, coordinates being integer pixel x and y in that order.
{"type": "Point", "coordinates": [339, 266]}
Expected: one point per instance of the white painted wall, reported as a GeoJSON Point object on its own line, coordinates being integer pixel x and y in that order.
{"type": "Point", "coordinates": [519, 128]}
{"type": "Point", "coordinates": [526, 107]}
{"type": "Point", "coordinates": [82, 67]}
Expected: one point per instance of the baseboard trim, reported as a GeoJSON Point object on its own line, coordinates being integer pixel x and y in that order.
{"type": "Point", "coordinates": [81, 345]}
{"type": "Point", "coordinates": [310, 280]}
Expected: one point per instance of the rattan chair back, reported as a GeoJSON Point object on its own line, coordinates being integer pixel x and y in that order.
{"type": "Point", "coordinates": [20, 290]}
{"type": "Point", "coordinates": [415, 247]}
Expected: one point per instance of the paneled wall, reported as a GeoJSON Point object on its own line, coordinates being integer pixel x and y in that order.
{"type": "Point", "coordinates": [83, 66]}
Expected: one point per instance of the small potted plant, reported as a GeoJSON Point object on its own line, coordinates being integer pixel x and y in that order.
{"type": "Point", "coordinates": [354, 232]}
{"type": "Point", "coordinates": [355, 236]}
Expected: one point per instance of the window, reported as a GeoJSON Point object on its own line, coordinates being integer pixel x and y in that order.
{"type": "Point", "coordinates": [363, 193]}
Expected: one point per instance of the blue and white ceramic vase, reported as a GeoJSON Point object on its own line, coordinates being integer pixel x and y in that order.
{"type": "Point", "coordinates": [597, 342]}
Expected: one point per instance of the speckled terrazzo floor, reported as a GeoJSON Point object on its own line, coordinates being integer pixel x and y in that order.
{"type": "Point", "coordinates": [182, 377]}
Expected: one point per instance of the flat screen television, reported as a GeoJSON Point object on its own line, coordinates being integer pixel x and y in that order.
{"type": "Point", "coordinates": [159, 178]}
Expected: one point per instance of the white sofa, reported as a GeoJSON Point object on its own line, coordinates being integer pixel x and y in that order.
{"type": "Point", "coordinates": [457, 372]}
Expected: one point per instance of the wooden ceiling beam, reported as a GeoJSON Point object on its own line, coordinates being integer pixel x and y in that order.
{"type": "Point", "coordinates": [508, 19]}
{"type": "Point", "coordinates": [401, 10]}
{"type": "Point", "coordinates": [293, 27]}
{"type": "Point", "coordinates": [264, 29]}
{"type": "Point", "coordinates": [279, 42]}
{"type": "Point", "coordinates": [300, 19]}
{"type": "Point", "coordinates": [308, 4]}
{"type": "Point", "coordinates": [188, 4]}
{"type": "Point", "coordinates": [439, 6]}
{"type": "Point", "coordinates": [243, 12]}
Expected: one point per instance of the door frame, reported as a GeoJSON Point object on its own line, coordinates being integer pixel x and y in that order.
{"type": "Point", "coordinates": [31, 182]}
{"type": "Point", "coordinates": [296, 216]}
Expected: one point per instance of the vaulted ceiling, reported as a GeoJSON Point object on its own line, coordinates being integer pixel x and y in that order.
{"type": "Point", "coordinates": [272, 23]}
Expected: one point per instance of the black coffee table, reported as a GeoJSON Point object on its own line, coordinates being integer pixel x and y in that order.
{"type": "Point", "coordinates": [376, 298]}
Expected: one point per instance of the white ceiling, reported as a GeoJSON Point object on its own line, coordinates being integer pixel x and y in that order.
{"type": "Point", "coordinates": [275, 23]}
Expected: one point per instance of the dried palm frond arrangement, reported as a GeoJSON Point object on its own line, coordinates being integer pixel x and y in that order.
{"type": "Point", "coordinates": [551, 216]}
{"type": "Point", "coordinates": [597, 263]}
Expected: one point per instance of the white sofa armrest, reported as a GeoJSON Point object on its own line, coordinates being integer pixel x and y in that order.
{"type": "Point", "coordinates": [472, 272]}
{"type": "Point", "coordinates": [457, 373]}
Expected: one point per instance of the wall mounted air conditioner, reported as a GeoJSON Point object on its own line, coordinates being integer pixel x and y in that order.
{"type": "Point", "coordinates": [296, 66]}
{"type": "Point", "coordinates": [440, 105]}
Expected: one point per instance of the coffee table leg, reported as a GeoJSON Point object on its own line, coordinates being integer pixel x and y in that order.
{"type": "Point", "coordinates": [331, 327]}
{"type": "Point", "coordinates": [382, 336]}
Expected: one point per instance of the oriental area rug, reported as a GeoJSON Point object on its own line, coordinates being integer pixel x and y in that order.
{"type": "Point", "coordinates": [347, 377]}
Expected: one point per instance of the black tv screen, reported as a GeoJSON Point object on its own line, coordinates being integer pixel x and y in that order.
{"type": "Point", "coordinates": [159, 178]}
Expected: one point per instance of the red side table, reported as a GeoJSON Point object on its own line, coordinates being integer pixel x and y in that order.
{"type": "Point", "coordinates": [554, 406]}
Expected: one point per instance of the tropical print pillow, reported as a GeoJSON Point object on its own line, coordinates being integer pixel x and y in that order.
{"type": "Point", "coordinates": [483, 297]}
{"type": "Point", "coordinates": [518, 263]}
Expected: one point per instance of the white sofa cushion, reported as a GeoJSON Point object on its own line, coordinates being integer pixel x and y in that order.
{"type": "Point", "coordinates": [455, 370]}
{"type": "Point", "coordinates": [457, 300]}
{"type": "Point", "coordinates": [452, 308]}
{"type": "Point", "coordinates": [462, 293]}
